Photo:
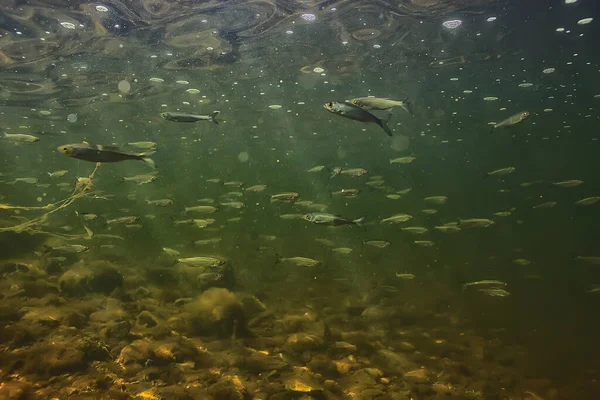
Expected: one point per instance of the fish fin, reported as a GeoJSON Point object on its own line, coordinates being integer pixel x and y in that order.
{"type": "Point", "coordinates": [149, 161]}
{"type": "Point", "coordinates": [359, 222]}
{"type": "Point", "coordinates": [47, 248]}
{"type": "Point", "coordinates": [485, 175]}
{"type": "Point", "coordinates": [109, 147]}
{"type": "Point", "coordinates": [384, 126]}
{"type": "Point", "coordinates": [492, 129]}
{"type": "Point", "coordinates": [278, 259]}
{"type": "Point", "coordinates": [407, 106]}
{"type": "Point", "coordinates": [214, 117]}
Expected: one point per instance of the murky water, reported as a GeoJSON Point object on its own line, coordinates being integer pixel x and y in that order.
{"type": "Point", "coordinates": [130, 316]}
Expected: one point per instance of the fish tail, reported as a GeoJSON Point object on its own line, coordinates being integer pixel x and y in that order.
{"type": "Point", "coordinates": [47, 248]}
{"type": "Point", "coordinates": [213, 117]}
{"type": "Point", "coordinates": [278, 259]}
{"type": "Point", "coordinates": [383, 124]}
{"type": "Point", "coordinates": [407, 106]}
{"type": "Point", "coordinates": [360, 222]}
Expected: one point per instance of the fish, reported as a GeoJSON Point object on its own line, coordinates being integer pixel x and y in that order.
{"type": "Point", "coordinates": [202, 261]}
{"type": "Point", "coordinates": [141, 179]}
{"type": "Point", "coordinates": [20, 137]}
{"type": "Point", "coordinates": [424, 243]}
{"type": "Point", "coordinates": [417, 230]}
{"type": "Point", "coordinates": [485, 283]}
{"type": "Point", "coordinates": [439, 200]}
{"type": "Point", "coordinates": [317, 168]}
{"type": "Point", "coordinates": [393, 196]}
{"type": "Point", "coordinates": [171, 252]}
{"type": "Point", "coordinates": [325, 241]}
{"type": "Point", "coordinates": [342, 250]}
{"type": "Point", "coordinates": [299, 261]}
{"type": "Point", "coordinates": [234, 204]}
{"type": "Point", "coordinates": [201, 209]}
{"type": "Point", "coordinates": [86, 216]}
{"type": "Point", "coordinates": [475, 223]}
{"type": "Point", "coordinates": [69, 248]}
{"type": "Point", "coordinates": [378, 103]}
{"type": "Point", "coordinates": [160, 202]}
{"type": "Point", "coordinates": [203, 223]}
{"type": "Point", "coordinates": [285, 197]}
{"type": "Point", "coordinates": [406, 276]}
{"type": "Point", "coordinates": [494, 292]}
{"type": "Point", "coordinates": [522, 261]}
{"type": "Point", "coordinates": [353, 112]}
{"type": "Point", "coordinates": [404, 191]}
{"type": "Point", "coordinates": [548, 204]}
{"type": "Point", "coordinates": [203, 242]}
{"type": "Point", "coordinates": [503, 213]}
{"type": "Point", "coordinates": [349, 172]}
{"type": "Point", "coordinates": [512, 120]}
{"type": "Point", "coordinates": [346, 193]}
{"type": "Point", "coordinates": [144, 145]}
{"type": "Point", "coordinates": [429, 211]}
{"type": "Point", "coordinates": [403, 160]}
{"type": "Point", "coordinates": [447, 228]}
{"type": "Point", "coordinates": [256, 188]}
{"type": "Point", "coordinates": [331, 219]}
{"type": "Point", "coordinates": [500, 172]}
{"type": "Point", "coordinates": [398, 218]}
{"type": "Point", "coordinates": [31, 181]}
{"type": "Point", "coordinates": [380, 244]}
{"type": "Point", "coordinates": [183, 117]}
{"type": "Point", "coordinates": [588, 201]}
{"type": "Point", "coordinates": [291, 216]}
{"type": "Point", "coordinates": [123, 220]}
{"type": "Point", "coordinates": [57, 174]}
{"type": "Point", "coordinates": [233, 184]}
{"type": "Point", "coordinates": [105, 154]}
{"type": "Point", "coordinates": [568, 184]}
{"type": "Point", "coordinates": [589, 259]}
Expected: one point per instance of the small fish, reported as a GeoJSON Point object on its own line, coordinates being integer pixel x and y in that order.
{"type": "Point", "coordinates": [568, 184]}
{"type": "Point", "coordinates": [548, 204]}
{"type": "Point", "coordinates": [406, 276]}
{"type": "Point", "coordinates": [20, 137]}
{"type": "Point", "coordinates": [171, 252]}
{"type": "Point", "coordinates": [494, 292]}
{"type": "Point", "coordinates": [417, 230]}
{"type": "Point", "coordinates": [349, 172]}
{"type": "Point", "coordinates": [403, 160]}
{"type": "Point", "coordinates": [31, 181]}
{"type": "Point", "coordinates": [233, 184]}
{"type": "Point", "coordinates": [503, 213]}
{"type": "Point", "coordinates": [123, 220]}
{"type": "Point", "coordinates": [291, 216]}
{"type": "Point", "coordinates": [57, 174]}
{"type": "Point", "coordinates": [350, 111]}
{"type": "Point", "coordinates": [86, 216]}
{"type": "Point", "coordinates": [206, 201]}
{"type": "Point", "coordinates": [475, 223]}
{"type": "Point", "coordinates": [440, 200]}
{"type": "Point", "coordinates": [201, 209]}
{"type": "Point", "coordinates": [500, 172]}
{"type": "Point", "coordinates": [317, 207]}
{"type": "Point", "coordinates": [210, 276]}
{"type": "Point", "coordinates": [141, 179]}
{"type": "Point", "coordinates": [447, 228]}
{"type": "Point", "coordinates": [69, 248]}
{"type": "Point", "coordinates": [404, 191]}
{"type": "Point", "coordinates": [234, 204]}
{"type": "Point", "coordinates": [512, 120]}
{"type": "Point", "coordinates": [160, 202]}
{"type": "Point", "coordinates": [589, 259]}
{"type": "Point", "coordinates": [144, 145]}
{"type": "Point", "coordinates": [182, 117]}
{"type": "Point", "coordinates": [134, 226]}
{"type": "Point", "coordinates": [398, 218]}
{"type": "Point", "coordinates": [342, 250]}
{"type": "Point", "coordinates": [203, 223]}
{"type": "Point", "coordinates": [325, 241]}
{"type": "Point", "coordinates": [331, 220]}
{"type": "Point", "coordinates": [424, 243]}
{"type": "Point", "coordinates": [380, 244]}
{"type": "Point", "coordinates": [318, 168]}
{"type": "Point", "coordinates": [485, 283]}
{"type": "Point", "coordinates": [286, 197]}
{"type": "Point", "coordinates": [256, 188]}
{"type": "Point", "coordinates": [99, 153]}
{"type": "Point", "coordinates": [204, 242]}
{"type": "Point", "coordinates": [594, 288]}
{"type": "Point", "coordinates": [214, 180]}
{"type": "Point", "coordinates": [588, 201]}
{"type": "Point", "coordinates": [377, 103]}
{"type": "Point", "coordinates": [393, 196]}
{"type": "Point", "coordinates": [202, 261]}
{"type": "Point", "coordinates": [376, 184]}
{"type": "Point", "coordinates": [268, 238]}
{"type": "Point", "coordinates": [346, 193]}
{"type": "Point", "coordinates": [299, 261]}
{"type": "Point", "coordinates": [522, 261]}
{"type": "Point", "coordinates": [429, 211]}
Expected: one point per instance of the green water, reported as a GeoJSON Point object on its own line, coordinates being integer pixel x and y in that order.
{"type": "Point", "coordinates": [243, 57]}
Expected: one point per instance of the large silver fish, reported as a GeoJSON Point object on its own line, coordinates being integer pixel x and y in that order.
{"type": "Point", "coordinates": [99, 153]}
{"type": "Point", "coordinates": [182, 117]}
{"type": "Point", "coordinates": [350, 111]}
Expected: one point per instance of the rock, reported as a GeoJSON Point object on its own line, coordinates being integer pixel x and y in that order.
{"type": "Point", "coordinates": [137, 352]}
{"type": "Point", "coordinates": [251, 305]}
{"type": "Point", "coordinates": [229, 388]}
{"type": "Point", "coordinates": [95, 277]}
{"type": "Point", "coordinates": [146, 319]}
{"type": "Point", "coordinates": [39, 288]}
{"type": "Point", "coordinates": [302, 381]}
{"type": "Point", "coordinates": [405, 346]}
{"type": "Point", "coordinates": [15, 391]}
{"type": "Point", "coordinates": [393, 363]}
{"type": "Point", "coordinates": [115, 330]}
{"type": "Point", "coordinates": [218, 311]}
{"type": "Point", "coordinates": [299, 342]}
{"type": "Point", "coordinates": [257, 362]}
{"type": "Point", "coordinates": [374, 313]}
{"type": "Point", "coordinates": [417, 376]}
